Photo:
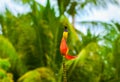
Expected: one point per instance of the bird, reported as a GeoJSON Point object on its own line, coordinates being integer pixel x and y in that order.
{"type": "Point", "coordinates": [64, 49]}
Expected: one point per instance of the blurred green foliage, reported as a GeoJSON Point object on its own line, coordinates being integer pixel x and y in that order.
{"type": "Point", "coordinates": [5, 77]}
{"type": "Point", "coordinates": [29, 45]}
{"type": "Point", "coordinates": [38, 75]}
{"type": "Point", "coordinates": [4, 64]}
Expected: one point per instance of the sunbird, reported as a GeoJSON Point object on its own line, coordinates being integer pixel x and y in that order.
{"type": "Point", "coordinates": [63, 46]}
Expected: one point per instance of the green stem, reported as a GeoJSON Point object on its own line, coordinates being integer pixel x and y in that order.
{"type": "Point", "coordinates": [64, 71]}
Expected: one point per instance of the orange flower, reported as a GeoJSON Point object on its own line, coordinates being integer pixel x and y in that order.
{"type": "Point", "coordinates": [64, 49]}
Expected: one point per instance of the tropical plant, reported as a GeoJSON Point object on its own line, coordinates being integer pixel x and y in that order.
{"type": "Point", "coordinates": [29, 45]}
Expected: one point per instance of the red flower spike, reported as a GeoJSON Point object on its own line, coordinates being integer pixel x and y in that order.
{"type": "Point", "coordinates": [63, 47]}
{"type": "Point", "coordinates": [64, 50]}
{"type": "Point", "coordinates": [69, 57]}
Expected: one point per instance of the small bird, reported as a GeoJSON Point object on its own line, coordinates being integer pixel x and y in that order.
{"type": "Point", "coordinates": [63, 46]}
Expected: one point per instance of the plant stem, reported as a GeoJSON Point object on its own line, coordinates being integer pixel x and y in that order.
{"type": "Point", "coordinates": [64, 71]}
